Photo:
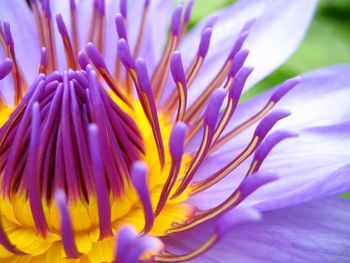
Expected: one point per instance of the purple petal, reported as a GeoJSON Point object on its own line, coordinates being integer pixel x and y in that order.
{"type": "Point", "coordinates": [315, 164]}
{"type": "Point", "coordinates": [273, 37]}
{"type": "Point", "coordinates": [314, 232]}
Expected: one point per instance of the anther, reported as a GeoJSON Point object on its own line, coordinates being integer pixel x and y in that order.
{"type": "Point", "coordinates": [43, 61]}
{"type": "Point", "coordinates": [120, 24]}
{"type": "Point", "coordinates": [194, 67]}
{"type": "Point", "coordinates": [150, 106]}
{"type": "Point", "coordinates": [179, 77]}
{"type": "Point", "coordinates": [267, 145]}
{"type": "Point", "coordinates": [176, 148]}
{"type": "Point", "coordinates": [259, 134]}
{"type": "Point", "coordinates": [233, 98]}
{"type": "Point", "coordinates": [210, 119]}
{"type": "Point", "coordinates": [83, 61]}
{"type": "Point", "coordinates": [139, 179]}
{"type": "Point", "coordinates": [100, 65]}
{"type": "Point", "coordinates": [70, 56]}
{"type": "Point", "coordinates": [281, 91]}
{"type": "Point", "coordinates": [125, 238]}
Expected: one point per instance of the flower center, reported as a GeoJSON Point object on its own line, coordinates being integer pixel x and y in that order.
{"type": "Point", "coordinates": [54, 140]}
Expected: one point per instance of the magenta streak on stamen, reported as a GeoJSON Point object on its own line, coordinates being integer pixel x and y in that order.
{"type": "Point", "coordinates": [33, 172]}
{"type": "Point", "coordinates": [210, 118]}
{"type": "Point", "coordinates": [176, 148]}
{"type": "Point", "coordinates": [139, 179]}
{"type": "Point", "coordinates": [67, 231]}
{"type": "Point", "coordinates": [104, 209]}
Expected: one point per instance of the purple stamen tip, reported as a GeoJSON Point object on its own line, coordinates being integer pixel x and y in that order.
{"type": "Point", "coordinates": [5, 68]}
{"type": "Point", "coordinates": [177, 69]}
{"type": "Point", "coordinates": [102, 8]}
{"type": "Point", "coordinates": [235, 217]}
{"type": "Point", "coordinates": [72, 4]}
{"type": "Point", "coordinates": [139, 172]}
{"type": "Point", "coordinates": [285, 88]}
{"type": "Point", "coordinates": [125, 54]}
{"type": "Point", "coordinates": [205, 41]}
{"type": "Point", "coordinates": [271, 140]}
{"type": "Point", "coordinates": [61, 25]}
{"type": "Point", "coordinates": [248, 25]}
{"type": "Point", "coordinates": [269, 121]}
{"type": "Point", "coordinates": [176, 20]}
{"type": "Point", "coordinates": [239, 82]}
{"type": "Point", "coordinates": [238, 44]}
{"type": "Point", "coordinates": [213, 108]}
{"type": "Point", "coordinates": [177, 138]}
{"type": "Point", "coordinates": [147, 2]}
{"type": "Point", "coordinates": [43, 58]}
{"type": "Point", "coordinates": [142, 245]}
{"type": "Point", "coordinates": [95, 56]}
{"type": "Point", "coordinates": [82, 59]}
{"type": "Point", "coordinates": [47, 8]}
{"type": "Point", "coordinates": [143, 77]}
{"type": "Point", "coordinates": [96, 4]}
{"type": "Point", "coordinates": [238, 62]}
{"type": "Point", "coordinates": [119, 22]}
{"type": "Point", "coordinates": [123, 8]}
{"type": "Point", "coordinates": [188, 11]}
{"type": "Point", "coordinates": [7, 34]}
{"type": "Point", "coordinates": [211, 22]}
{"type": "Point", "coordinates": [253, 182]}
{"type": "Point", "coordinates": [126, 236]}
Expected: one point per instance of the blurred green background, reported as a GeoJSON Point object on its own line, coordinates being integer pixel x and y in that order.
{"type": "Point", "coordinates": [327, 41]}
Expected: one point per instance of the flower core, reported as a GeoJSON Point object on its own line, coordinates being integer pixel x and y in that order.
{"type": "Point", "coordinates": [86, 150]}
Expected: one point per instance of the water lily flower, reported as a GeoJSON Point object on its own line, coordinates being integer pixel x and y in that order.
{"type": "Point", "coordinates": [122, 139]}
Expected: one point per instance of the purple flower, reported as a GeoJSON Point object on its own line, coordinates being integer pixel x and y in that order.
{"type": "Point", "coordinates": [122, 140]}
